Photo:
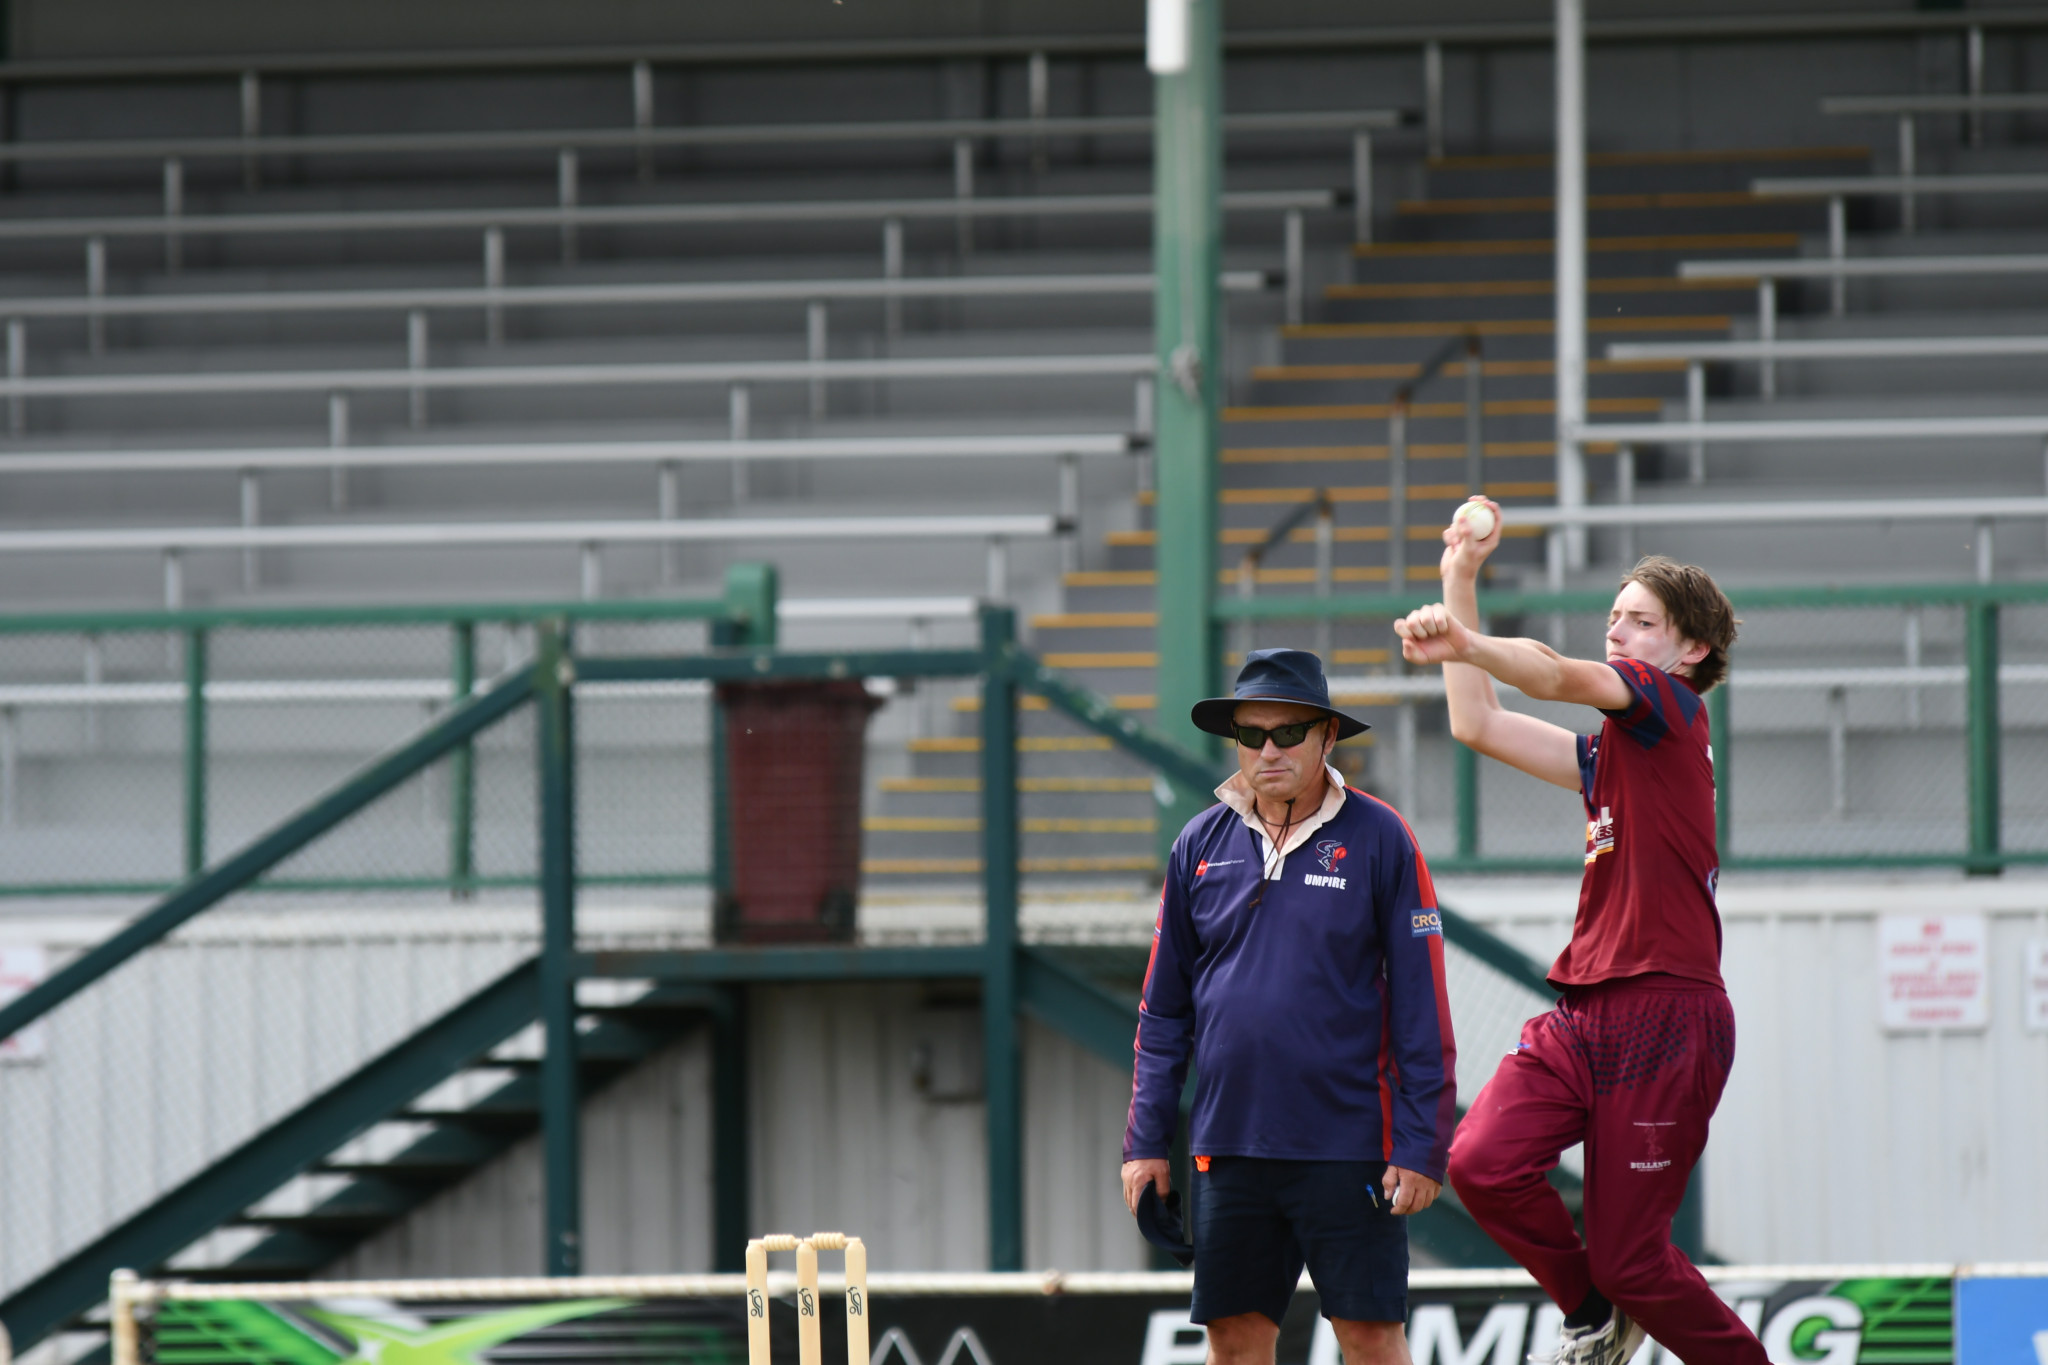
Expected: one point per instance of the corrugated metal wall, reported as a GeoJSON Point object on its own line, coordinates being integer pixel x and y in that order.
{"type": "Point", "coordinates": [178, 1056]}
{"type": "Point", "coordinates": [866, 1116]}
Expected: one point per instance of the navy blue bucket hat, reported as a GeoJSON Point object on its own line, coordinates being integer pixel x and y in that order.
{"type": "Point", "coordinates": [1275, 675]}
{"type": "Point", "coordinates": [1159, 1222]}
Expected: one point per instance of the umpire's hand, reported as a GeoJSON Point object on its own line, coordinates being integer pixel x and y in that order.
{"type": "Point", "coordinates": [1406, 1191]}
{"type": "Point", "coordinates": [1153, 1171]}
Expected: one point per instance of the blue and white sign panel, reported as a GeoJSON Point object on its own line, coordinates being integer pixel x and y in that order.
{"type": "Point", "coordinates": [2001, 1320]}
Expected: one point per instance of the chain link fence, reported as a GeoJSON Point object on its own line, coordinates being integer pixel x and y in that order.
{"type": "Point", "coordinates": [177, 1057]}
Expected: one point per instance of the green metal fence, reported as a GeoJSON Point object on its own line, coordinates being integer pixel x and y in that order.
{"type": "Point", "coordinates": [1885, 726]}
{"type": "Point", "coordinates": [134, 746]}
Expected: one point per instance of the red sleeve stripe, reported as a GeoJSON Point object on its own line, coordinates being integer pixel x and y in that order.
{"type": "Point", "coordinates": [1424, 883]}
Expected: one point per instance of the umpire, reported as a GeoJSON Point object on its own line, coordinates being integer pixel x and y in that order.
{"type": "Point", "coordinates": [1298, 959]}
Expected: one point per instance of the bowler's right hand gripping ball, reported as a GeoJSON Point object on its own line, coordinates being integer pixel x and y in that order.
{"type": "Point", "coordinates": [1479, 517]}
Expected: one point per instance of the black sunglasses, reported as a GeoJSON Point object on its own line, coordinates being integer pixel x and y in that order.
{"type": "Point", "coordinates": [1286, 736]}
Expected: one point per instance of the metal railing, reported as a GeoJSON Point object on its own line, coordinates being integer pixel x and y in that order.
{"type": "Point", "coordinates": [1468, 348]}
{"type": "Point", "coordinates": [417, 379]}
{"type": "Point", "coordinates": [1767, 350]}
{"type": "Point", "coordinates": [1325, 513]}
{"type": "Point", "coordinates": [1974, 717]}
{"type": "Point", "coordinates": [174, 225]}
{"type": "Point", "coordinates": [1907, 187]}
{"type": "Point", "coordinates": [648, 138]}
{"type": "Point", "coordinates": [493, 301]}
{"type": "Point", "coordinates": [637, 62]}
{"type": "Point", "coordinates": [172, 544]}
{"type": "Point", "coordinates": [1981, 512]}
{"type": "Point", "coordinates": [1907, 108]}
{"type": "Point", "coordinates": [1837, 268]}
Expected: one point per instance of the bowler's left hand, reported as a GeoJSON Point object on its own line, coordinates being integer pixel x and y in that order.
{"type": "Point", "coordinates": [1408, 1192]}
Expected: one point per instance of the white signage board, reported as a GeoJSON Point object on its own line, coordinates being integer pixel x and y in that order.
{"type": "Point", "coordinates": [2034, 985]}
{"type": "Point", "coordinates": [21, 967]}
{"type": "Point", "coordinates": [1931, 972]}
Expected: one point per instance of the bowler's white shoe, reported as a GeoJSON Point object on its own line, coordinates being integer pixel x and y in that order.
{"type": "Point", "coordinates": [1613, 1342]}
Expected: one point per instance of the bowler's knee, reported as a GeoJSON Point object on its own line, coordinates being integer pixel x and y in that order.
{"type": "Point", "coordinates": [1243, 1339]}
{"type": "Point", "coordinates": [1479, 1168]}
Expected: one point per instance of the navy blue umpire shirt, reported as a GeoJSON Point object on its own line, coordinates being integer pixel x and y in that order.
{"type": "Point", "coordinates": [1318, 1019]}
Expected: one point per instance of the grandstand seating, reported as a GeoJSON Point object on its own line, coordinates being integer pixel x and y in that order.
{"type": "Point", "coordinates": [1465, 253]}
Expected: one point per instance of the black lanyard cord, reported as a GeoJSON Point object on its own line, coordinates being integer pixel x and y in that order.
{"type": "Point", "coordinates": [1279, 852]}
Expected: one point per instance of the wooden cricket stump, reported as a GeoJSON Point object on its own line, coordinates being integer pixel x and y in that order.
{"type": "Point", "coordinates": [809, 1349]}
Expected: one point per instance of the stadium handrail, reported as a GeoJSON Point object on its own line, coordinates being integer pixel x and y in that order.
{"type": "Point", "coordinates": [502, 454]}
{"type": "Point", "coordinates": [1823, 429]}
{"type": "Point", "coordinates": [388, 535]}
{"type": "Point", "coordinates": [637, 138]}
{"type": "Point", "coordinates": [651, 293]}
{"type": "Point", "coordinates": [621, 373]}
{"type": "Point", "coordinates": [379, 535]}
{"type": "Point", "coordinates": [1867, 267]}
{"type": "Point", "coordinates": [1865, 186]}
{"type": "Point", "coordinates": [1852, 106]}
{"type": "Point", "coordinates": [1839, 268]}
{"type": "Point", "coordinates": [1833, 348]}
{"type": "Point", "coordinates": [1598, 30]}
{"type": "Point", "coordinates": [1425, 686]}
{"type": "Point", "coordinates": [553, 217]}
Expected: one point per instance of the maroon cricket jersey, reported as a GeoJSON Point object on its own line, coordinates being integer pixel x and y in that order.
{"type": "Point", "coordinates": [1647, 901]}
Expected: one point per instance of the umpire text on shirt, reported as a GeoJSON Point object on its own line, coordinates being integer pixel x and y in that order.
{"type": "Point", "coordinates": [1298, 960]}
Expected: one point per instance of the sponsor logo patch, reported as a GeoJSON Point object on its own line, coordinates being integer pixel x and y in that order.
{"type": "Point", "coordinates": [1202, 868]}
{"type": "Point", "coordinates": [1425, 922]}
{"type": "Point", "coordinates": [1600, 835]}
{"type": "Point", "coordinates": [1654, 1156]}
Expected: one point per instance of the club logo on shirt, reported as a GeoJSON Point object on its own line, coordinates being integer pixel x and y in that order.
{"type": "Point", "coordinates": [1328, 854]}
{"type": "Point", "coordinates": [1202, 868]}
{"type": "Point", "coordinates": [1600, 835]}
{"type": "Point", "coordinates": [1423, 923]}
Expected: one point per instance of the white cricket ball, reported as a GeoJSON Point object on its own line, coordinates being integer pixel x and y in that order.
{"type": "Point", "coordinates": [1479, 517]}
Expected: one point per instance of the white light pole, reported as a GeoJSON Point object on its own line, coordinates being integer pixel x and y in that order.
{"type": "Point", "coordinates": [1571, 269]}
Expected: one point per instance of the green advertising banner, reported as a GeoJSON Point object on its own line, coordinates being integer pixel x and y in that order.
{"type": "Point", "coordinates": [1454, 1319]}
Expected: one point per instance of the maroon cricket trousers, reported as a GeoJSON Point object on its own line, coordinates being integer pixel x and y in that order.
{"type": "Point", "coordinates": [1634, 1068]}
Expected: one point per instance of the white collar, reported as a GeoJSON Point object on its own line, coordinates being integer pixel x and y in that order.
{"type": "Point", "coordinates": [1237, 794]}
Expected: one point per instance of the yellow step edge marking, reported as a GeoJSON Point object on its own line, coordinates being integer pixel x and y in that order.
{"type": "Point", "coordinates": [1122, 701]}
{"type": "Point", "coordinates": [1111, 659]}
{"type": "Point", "coordinates": [1421, 450]}
{"type": "Point", "coordinates": [1495, 368]}
{"type": "Point", "coordinates": [1489, 289]}
{"type": "Point", "coordinates": [1112, 578]}
{"type": "Point", "coordinates": [1595, 203]}
{"type": "Point", "coordinates": [1503, 407]}
{"type": "Point", "coordinates": [1703, 322]}
{"type": "Point", "coordinates": [967, 824]}
{"type": "Point", "coordinates": [1539, 160]}
{"type": "Point", "coordinates": [933, 786]}
{"type": "Point", "coordinates": [1544, 246]}
{"type": "Point", "coordinates": [941, 867]}
{"type": "Point", "coordinates": [1096, 620]}
{"type": "Point", "coordinates": [1035, 744]}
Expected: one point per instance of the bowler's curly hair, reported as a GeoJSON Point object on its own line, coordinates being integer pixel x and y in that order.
{"type": "Point", "coordinates": [1699, 610]}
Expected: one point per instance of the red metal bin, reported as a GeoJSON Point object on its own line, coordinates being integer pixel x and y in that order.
{"type": "Point", "coordinates": [794, 753]}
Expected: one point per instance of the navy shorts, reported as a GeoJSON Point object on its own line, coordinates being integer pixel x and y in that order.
{"type": "Point", "coordinates": [1257, 1222]}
